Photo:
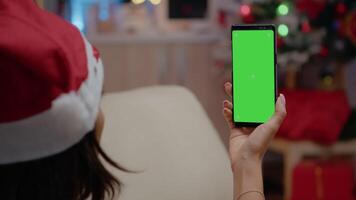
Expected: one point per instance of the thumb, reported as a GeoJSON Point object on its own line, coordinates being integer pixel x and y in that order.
{"type": "Point", "coordinates": [265, 132]}
{"type": "Point", "coordinates": [279, 115]}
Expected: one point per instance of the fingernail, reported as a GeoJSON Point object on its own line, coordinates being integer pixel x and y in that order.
{"type": "Point", "coordinates": [283, 99]}
{"type": "Point", "coordinates": [225, 103]}
{"type": "Point", "coordinates": [224, 110]}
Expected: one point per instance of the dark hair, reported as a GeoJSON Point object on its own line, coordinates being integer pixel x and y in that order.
{"type": "Point", "coordinates": [75, 174]}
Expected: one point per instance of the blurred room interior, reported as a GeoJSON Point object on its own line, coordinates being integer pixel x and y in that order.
{"type": "Point", "coordinates": [147, 43]}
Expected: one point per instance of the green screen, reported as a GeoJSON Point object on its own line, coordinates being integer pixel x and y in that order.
{"type": "Point", "coordinates": [253, 75]}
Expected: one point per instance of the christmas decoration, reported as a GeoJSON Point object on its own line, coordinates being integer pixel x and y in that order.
{"type": "Point", "coordinates": [283, 9]}
{"type": "Point", "coordinates": [312, 8]}
{"type": "Point", "coordinates": [308, 29]}
{"type": "Point", "coordinates": [350, 26]}
{"type": "Point", "coordinates": [283, 30]}
{"type": "Point", "coordinates": [323, 179]}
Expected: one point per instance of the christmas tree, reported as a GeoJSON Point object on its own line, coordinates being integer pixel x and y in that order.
{"type": "Point", "coordinates": [308, 30]}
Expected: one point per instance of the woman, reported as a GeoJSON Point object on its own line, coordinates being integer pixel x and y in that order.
{"type": "Point", "coordinates": [51, 82]}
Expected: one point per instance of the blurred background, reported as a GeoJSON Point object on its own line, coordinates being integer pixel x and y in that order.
{"type": "Point", "coordinates": [187, 43]}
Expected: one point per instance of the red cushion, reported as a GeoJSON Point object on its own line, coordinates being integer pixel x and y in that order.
{"type": "Point", "coordinates": [318, 116]}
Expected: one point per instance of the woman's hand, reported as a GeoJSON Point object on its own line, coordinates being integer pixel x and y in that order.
{"type": "Point", "coordinates": [248, 146]}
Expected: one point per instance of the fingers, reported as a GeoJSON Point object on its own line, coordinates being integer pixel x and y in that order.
{"type": "Point", "coordinates": [227, 110]}
{"type": "Point", "coordinates": [228, 117]}
{"type": "Point", "coordinates": [228, 88]}
{"type": "Point", "coordinates": [227, 104]}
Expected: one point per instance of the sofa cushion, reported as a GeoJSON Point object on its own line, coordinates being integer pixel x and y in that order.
{"type": "Point", "coordinates": [164, 132]}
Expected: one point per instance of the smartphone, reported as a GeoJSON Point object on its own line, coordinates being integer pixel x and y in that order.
{"type": "Point", "coordinates": [254, 71]}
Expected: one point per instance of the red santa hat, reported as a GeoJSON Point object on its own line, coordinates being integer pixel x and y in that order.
{"type": "Point", "coordinates": [50, 83]}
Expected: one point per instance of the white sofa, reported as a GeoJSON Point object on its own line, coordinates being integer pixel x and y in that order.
{"type": "Point", "coordinates": [164, 132]}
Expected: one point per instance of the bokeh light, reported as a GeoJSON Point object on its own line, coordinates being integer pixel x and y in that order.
{"type": "Point", "coordinates": [155, 2]}
{"type": "Point", "coordinates": [137, 1]}
{"type": "Point", "coordinates": [245, 10]}
{"type": "Point", "coordinates": [283, 30]}
{"type": "Point", "coordinates": [283, 9]}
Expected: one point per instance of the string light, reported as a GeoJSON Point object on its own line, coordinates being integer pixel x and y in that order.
{"type": "Point", "coordinates": [283, 30]}
{"type": "Point", "coordinates": [328, 80]}
{"type": "Point", "coordinates": [155, 2]}
{"type": "Point", "coordinates": [283, 9]}
{"type": "Point", "coordinates": [245, 10]}
{"type": "Point", "coordinates": [137, 1]}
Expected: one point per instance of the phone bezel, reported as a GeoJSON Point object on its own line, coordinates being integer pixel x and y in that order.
{"type": "Point", "coordinates": [254, 27]}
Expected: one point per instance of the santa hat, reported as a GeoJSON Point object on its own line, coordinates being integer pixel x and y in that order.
{"type": "Point", "coordinates": [50, 83]}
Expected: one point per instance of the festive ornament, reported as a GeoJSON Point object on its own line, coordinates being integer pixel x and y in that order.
{"type": "Point", "coordinates": [306, 28]}
{"type": "Point", "coordinates": [280, 42]}
{"type": "Point", "coordinates": [341, 8]}
{"type": "Point", "coordinates": [222, 19]}
{"type": "Point", "coordinates": [248, 19]}
{"type": "Point", "coordinates": [324, 51]}
{"type": "Point", "coordinates": [328, 81]}
{"type": "Point", "coordinates": [312, 8]}
{"type": "Point", "coordinates": [350, 27]}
